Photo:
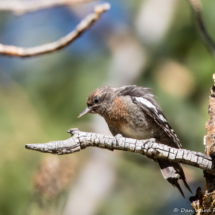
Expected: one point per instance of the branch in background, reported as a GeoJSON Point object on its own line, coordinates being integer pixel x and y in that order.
{"type": "Point", "coordinates": [21, 7]}
{"type": "Point", "coordinates": [61, 43]}
{"type": "Point", "coordinates": [81, 140]}
{"type": "Point", "coordinates": [197, 8]}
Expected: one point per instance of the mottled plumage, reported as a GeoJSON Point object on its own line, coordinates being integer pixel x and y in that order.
{"type": "Point", "coordinates": [133, 112]}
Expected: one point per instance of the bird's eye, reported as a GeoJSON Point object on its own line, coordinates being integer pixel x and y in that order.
{"type": "Point", "coordinates": [96, 100]}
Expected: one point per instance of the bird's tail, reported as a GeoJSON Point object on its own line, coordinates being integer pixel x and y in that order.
{"type": "Point", "coordinates": [172, 172]}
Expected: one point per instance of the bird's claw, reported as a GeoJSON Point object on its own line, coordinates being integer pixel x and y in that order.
{"type": "Point", "coordinates": [118, 136]}
{"type": "Point", "coordinates": [73, 131]}
{"type": "Point", "coordinates": [152, 140]}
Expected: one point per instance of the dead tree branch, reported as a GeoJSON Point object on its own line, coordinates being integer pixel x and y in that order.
{"type": "Point", "coordinates": [21, 7]}
{"type": "Point", "coordinates": [59, 44]}
{"type": "Point", "coordinates": [80, 140]}
{"type": "Point", "coordinates": [197, 8]}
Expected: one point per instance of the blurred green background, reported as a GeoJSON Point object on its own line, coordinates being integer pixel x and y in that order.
{"type": "Point", "coordinates": [150, 43]}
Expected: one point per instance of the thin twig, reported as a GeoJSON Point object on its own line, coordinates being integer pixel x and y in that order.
{"type": "Point", "coordinates": [81, 140]}
{"type": "Point", "coordinates": [21, 7]}
{"type": "Point", "coordinates": [197, 8]}
{"type": "Point", "coordinates": [59, 44]}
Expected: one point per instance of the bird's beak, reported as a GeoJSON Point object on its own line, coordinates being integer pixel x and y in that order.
{"type": "Point", "coordinates": [86, 111]}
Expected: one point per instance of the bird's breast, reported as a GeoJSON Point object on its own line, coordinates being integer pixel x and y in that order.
{"type": "Point", "coordinates": [136, 132]}
{"type": "Point", "coordinates": [126, 118]}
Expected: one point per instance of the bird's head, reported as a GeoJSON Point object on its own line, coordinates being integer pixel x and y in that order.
{"type": "Point", "coordinates": [98, 101]}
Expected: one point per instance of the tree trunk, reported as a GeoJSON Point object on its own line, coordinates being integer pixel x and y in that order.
{"type": "Point", "coordinates": [204, 201]}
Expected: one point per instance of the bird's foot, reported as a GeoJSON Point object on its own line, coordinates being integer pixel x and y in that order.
{"type": "Point", "coordinates": [73, 131]}
{"type": "Point", "coordinates": [118, 136]}
{"type": "Point", "coordinates": [152, 140]}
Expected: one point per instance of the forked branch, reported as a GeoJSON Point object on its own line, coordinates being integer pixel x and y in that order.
{"type": "Point", "coordinates": [80, 140]}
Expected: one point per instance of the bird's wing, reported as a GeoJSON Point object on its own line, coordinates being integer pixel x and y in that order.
{"type": "Point", "coordinates": [150, 107]}
{"type": "Point", "coordinates": [145, 100]}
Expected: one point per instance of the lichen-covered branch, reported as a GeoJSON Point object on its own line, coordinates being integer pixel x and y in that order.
{"type": "Point", "coordinates": [61, 43]}
{"type": "Point", "coordinates": [21, 7]}
{"type": "Point", "coordinates": [80, 140]}
{"type": "Point", "coordinates": [204, 201]}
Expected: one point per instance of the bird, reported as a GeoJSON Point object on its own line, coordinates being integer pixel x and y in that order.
{"type": "Point", "coordinates": [132, 111]}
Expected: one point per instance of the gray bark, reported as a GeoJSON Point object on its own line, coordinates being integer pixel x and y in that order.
{"type": "Point", "coordinates": [81, 140]}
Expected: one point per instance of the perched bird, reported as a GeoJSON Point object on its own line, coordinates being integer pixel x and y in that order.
{"type": "Point", "coordinates": [133, 112]}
